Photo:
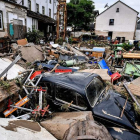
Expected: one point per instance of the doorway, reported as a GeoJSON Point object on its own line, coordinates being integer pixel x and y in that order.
{"type": "Point", "coordinates": [110, 34]}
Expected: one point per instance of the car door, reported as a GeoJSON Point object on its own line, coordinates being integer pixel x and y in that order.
{"type": "Point", "coordinates": [69, 98]}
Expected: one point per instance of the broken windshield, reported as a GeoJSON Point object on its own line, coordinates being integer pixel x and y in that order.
{"type": "Point", "coordinates": [94, 90]}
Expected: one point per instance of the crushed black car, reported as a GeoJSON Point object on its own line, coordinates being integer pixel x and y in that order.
{"type": "Point", "coordinates": [88, 92]}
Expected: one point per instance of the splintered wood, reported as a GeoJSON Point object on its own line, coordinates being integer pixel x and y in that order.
{"type": "Point", "coordinates": [131, 55]}
{"type": "Point", "coordinates": [102, 72]}
{"type": "Point", "coordinates": [78, 53]}
{"type": "Point", "coordinates": [135, 87]}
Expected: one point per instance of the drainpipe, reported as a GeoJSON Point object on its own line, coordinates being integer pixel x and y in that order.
{"type": "Point", "coordinates": [53, 9]}
{"type": "Point", "coordinates": [135, 28]}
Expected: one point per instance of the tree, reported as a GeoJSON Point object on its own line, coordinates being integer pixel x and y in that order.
{"type": "Point", "coordinates": [80, 13]}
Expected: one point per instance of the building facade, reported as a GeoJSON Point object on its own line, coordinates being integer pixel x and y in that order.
{"type": "Point", "coordinates": [119, 20]}
{"type": "Point", "coordinates": [12, 20]}
{"type": "Point", "coordinates": [41, 15]}
{"type": "Point", "coordinates": [19, 16]}
{"type": "Point", "coordinates": [138, 31]}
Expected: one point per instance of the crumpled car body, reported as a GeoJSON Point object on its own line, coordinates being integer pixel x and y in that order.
{"type": "Point", "coordinates": [87, 92]}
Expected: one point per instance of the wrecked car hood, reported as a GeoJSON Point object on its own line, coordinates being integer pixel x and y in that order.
{"type": "Point", "coordinates": [122, 134]}
{"type": "Point", "coordinates": [110, 109]}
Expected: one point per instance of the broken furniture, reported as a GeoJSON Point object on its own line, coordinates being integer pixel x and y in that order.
{"type": "Point", "coordinates": [131, 69]}
{"type": "Point", "coordinates": [30, 86]}
{"type": "Point", "coordinates": [95, 52]}
{"type": "Point", "coordinates": [98, 52]}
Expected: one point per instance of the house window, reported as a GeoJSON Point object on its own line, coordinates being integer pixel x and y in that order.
{"type": "Point", "coordinates": [69, 96]}
{"type": "Point", "coordinates": [29, 4]}
{"type": "Point", "coordinates": [1, 21]}
{"type": "Point", "coordinates": [118, 10]}
{"type": "Point", "coordinates": [43, 10]}
{"type": "Point", "coordinates": [49, 12]}
{"type": "Point", "coordinates": [111, 22]}
{"type": "Point", "coordinates": [50, 2]}
{"type": "Point", "coordinates": [34, 24]}
{"type": "Point", "coordinates": [37, 8]}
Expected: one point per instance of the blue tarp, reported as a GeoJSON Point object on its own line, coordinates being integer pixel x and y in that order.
{"type": "Point", "coordinates": [95, 49]}
{"type": "Point", "coordinates": [103, 65]}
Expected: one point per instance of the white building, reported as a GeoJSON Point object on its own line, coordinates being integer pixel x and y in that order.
{"type": "Point", "coordinates": [41, 15]}
{"type": "Point", "coordinates": [22, 15]}
{"type": "Point", "coordinates": [12, 19]}
{"type": "Point", "coordinates": [119, 20]}
{"type": "Point", "coordinates": [138, 31]}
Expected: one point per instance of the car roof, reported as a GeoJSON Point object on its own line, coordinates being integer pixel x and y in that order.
{"type": "Point", "coordinates": [77, 81]}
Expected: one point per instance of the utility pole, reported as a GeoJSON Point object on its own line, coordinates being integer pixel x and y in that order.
{"type": "Point", "coordinates": [61, 19]}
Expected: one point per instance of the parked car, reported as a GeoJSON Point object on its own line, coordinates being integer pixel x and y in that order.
{"type": "Point", "coordinates": [88, 92]}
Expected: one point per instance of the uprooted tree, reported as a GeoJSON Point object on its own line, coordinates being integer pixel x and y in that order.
{"type": "Point", "coordinates": [80, 13]}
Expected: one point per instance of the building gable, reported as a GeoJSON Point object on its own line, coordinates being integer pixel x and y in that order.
{"type": "Point", "coordinates": [117, 3]}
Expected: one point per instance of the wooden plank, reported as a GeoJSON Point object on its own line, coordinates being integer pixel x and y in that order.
{"type": "Point", "coordinates": [131, 55]}
{"type": "Point", "coordinates": [76, 51]}
{"type": "Point", "coordinates": [97, 54]}
{"type": "Point", "coordinates": [102, 72]}
{"type": "Point", "coordinates": [136, 82]}
{"type": "Point", "coordinates": [134, 89]}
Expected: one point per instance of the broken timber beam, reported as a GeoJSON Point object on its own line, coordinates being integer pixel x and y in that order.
{"type": "Point", "coordinates": [76, 51]}
{"type": "Point", "coordinates": [132, 96]}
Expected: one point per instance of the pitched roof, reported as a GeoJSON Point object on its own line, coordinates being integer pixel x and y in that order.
{"type": "Point", "coordinates": [115, 4]}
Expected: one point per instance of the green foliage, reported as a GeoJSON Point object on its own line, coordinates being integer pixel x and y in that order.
{"type": "Point", "coordinates": [70, 40]}
{"type": "Point", "coordinates": [80, 13]}
{"type": "Point", "coordinates": [60, 41]}
{"type": "Point", "coordinates": [4, 84]}
{"type": "Point", "coordinates": [34, 36]}
{"type": "Point", "coordinates": [127, 46]}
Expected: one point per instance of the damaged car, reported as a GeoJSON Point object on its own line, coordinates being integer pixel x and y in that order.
{"type": "Point", "coordinates": [88, 92]}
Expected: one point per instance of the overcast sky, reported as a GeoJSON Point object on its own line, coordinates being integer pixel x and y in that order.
{"type": "Point", "coordinates": [99, 4]}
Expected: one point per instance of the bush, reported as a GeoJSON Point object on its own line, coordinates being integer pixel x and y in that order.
{"type": "Point", "coordinates": [127, 46]}
{"type": "Point", "coordinates": [70, 40]}
{"type": "Point", "coordinates": [60, 41]}
{"type": "Point", "coordinates": [34, 36]}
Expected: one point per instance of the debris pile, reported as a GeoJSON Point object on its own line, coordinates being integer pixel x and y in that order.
{"type": "Point", "coordinates": [45, 83]}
